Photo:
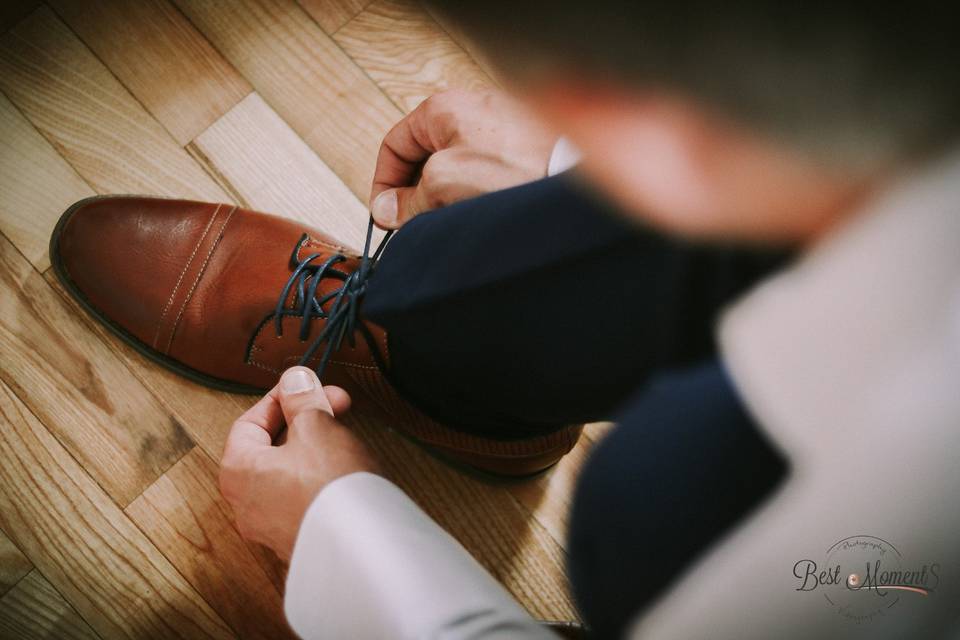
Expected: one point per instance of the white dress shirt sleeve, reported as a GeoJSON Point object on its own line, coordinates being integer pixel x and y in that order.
{"type": "Point", "coordinates": [368, 563]}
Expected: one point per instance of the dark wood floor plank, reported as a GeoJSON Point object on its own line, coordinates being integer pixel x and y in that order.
{"type": "Point", "coordinates": [13, 564]}
{"type": "Point", "coordinates": [33, 610]}
{"type": "Point", "coordinates": [69, 378]}
{"type": "Point", "coordinates": [84, 545]}
{"type": "Point", "coordinates": [205, 414]}
{"type": "Point", "coordinates": [13, 11]}
{"type": "Point", "coordinates": [184, 515]}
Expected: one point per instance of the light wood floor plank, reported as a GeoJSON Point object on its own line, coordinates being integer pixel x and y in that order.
{"type": "Point", "coordinates": [407, 53]}
{"type": "Point", "coordinates": [82, 391]}
{"type": "Point", "coordinates": [274, 171]}
{"type": "Point", "coordinates": [305, 77]}
{"type": "Point", "coordinates": [36, 185]}
{"type": "Point", "coordinates": [160, 58]}
{"type": "Point", "coordinates": [466, 43]}
{"type": "Point", "coordinates": [81, 108]}
{"type": "Point", "coordinates": [84, 545]}
{"type": "Point", "coordinates": [549, 497]}
{"type": "Point", "coordinates": [13, 564]}
{"type": "Point", "coordinates": [333, 14]}
{"type": "Point", "coordinates": [33, 610]}
{"type": "Point", "coordinates": [484, 517]}
{"type": "Point", "coordinates": [184, 515]}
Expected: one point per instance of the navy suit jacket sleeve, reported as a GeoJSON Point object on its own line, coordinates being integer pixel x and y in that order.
{"type": "Point", "coordinates": [684, 465]}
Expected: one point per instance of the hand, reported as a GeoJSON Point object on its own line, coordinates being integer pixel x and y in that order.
{"type": "Point", "coordinates": [456, 145]}
{"type": "Point", "coordinates": [270, 486]}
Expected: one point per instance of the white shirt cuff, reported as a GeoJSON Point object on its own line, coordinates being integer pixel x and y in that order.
{"type": "Point", "coordinates": [564, 156]}
{"type": "Point", "coordinates": [368, 563]}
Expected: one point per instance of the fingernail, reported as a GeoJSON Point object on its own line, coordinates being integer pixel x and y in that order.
{"type": "Point", "coordinates": [298, 381]}
{"type": "Point", "coordinates": [384, 208]}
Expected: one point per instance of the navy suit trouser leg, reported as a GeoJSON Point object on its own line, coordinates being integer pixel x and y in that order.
{"type": "Point", "coordinates": [528, 309]}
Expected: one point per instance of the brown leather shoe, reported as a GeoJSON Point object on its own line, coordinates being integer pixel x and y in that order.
{"type": "Point", "coordinates": [230, 298]}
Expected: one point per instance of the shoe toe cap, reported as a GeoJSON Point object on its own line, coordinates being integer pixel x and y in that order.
{"type": "Point", "coordinates": [123, 255]}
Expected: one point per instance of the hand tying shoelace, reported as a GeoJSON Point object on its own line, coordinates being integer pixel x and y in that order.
{"type": "Point", "coordinates": [342, 315]}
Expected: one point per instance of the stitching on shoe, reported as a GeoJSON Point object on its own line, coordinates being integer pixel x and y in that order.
{"type": "Point", "coordinates": [386, 351]}
{"type": "Point", "coordinates": [254, 348]}
{"type": "Point", "coordinates": [176, 287]}
{"type": "Point", "coordinates": [293, 359]}
{"type": "Point", "coordinates": [203, 268]}
{"type": "Point", "coordinates": [319, 244]}
{"type": "Point", "coordinates": [265, 367]}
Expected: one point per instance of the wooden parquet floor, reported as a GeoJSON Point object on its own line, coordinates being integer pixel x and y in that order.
{"type": "Point", "coordinates": [111, 525]}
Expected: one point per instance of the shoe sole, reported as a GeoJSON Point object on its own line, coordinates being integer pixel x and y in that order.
{"type": "Point", "coordinates": [207, 380]}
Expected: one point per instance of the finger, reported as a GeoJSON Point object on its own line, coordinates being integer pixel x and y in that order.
{"type": "Point", "coordinates": [405, 147]}
{"type": "Point", "coordinates": [257, 427]}
{"type": "Point", "coordinates": [339, 399]}
{"type": "Point", "coordinates": [303, 400]}
{"type": "Point", "coordinates": [394, 207]}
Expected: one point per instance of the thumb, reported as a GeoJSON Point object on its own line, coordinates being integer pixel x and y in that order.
{"type": "Point", "coordinates": [393, 207]}
{"type": "Point", "coordinates": [303, 400]}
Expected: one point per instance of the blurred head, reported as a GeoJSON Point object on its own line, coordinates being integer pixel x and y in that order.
{"type": "Point", "coordinates": [764, 122]}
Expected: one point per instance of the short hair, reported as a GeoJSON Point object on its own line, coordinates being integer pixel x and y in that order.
{"type": "Point", "coordinates": [860, 85]}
